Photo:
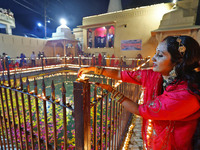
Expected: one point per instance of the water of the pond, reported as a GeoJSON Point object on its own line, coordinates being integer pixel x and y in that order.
{"type": "Point", "coordinates": [58, 80]}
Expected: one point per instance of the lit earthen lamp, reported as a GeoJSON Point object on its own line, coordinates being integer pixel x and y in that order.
{"type": "Point", "coordinates": [82, 79]}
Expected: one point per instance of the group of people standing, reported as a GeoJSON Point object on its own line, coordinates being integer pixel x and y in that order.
{"type": "Point", "coordinates": [4, 61]}
{"type": "Point", "coordinates": [20, 61]}
{"type": "Point", "coordinates": [112, 61]}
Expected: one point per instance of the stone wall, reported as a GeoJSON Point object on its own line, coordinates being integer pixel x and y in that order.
{"type": "Point", "coordinates": [15, 45]}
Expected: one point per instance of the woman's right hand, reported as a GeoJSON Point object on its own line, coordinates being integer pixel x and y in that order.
{"type": "Point", "coordinates": [109, 88]}
{"type": "Point", "coordinates": [85, 70]}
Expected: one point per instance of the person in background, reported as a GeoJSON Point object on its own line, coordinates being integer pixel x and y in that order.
{"type": "Point", "coordinates": [3, 61]}
{"type": "Point", "coordinates": [33, 58]}
{"type": "Point", "coordinates": [17, 62]}
{"type": "Point", "coordinates": [57, 58]}
{"type": "Point", "coordinates": [112, 62]}
{"type": "Point", "coordinates": [1, 68]}
{"type": "Point", "coordinates": [39, 55]}
{"type": "Point", "coordinates": [45, 59]}
{"type": "Point", "coordinates": [104, 60]}
{"type": "Point", "coordinates": [124, 62]}
{"type": "Point", "coordinates": [139, 61]}
{"type": "Point", "coordinates": [93, 60]}
{"type": "Point", "coordinates": [108, 60]}
{"type": "Point", "coordinates": [90, 59]}
{"type": "Point", "coordinates": [22, 61]}
{"type": "Point", "coordinates": [99, 59]}
{"type": "Point", "coordinates": [6, 61]}
{"type": "Point", "coordinates": [171, 108]}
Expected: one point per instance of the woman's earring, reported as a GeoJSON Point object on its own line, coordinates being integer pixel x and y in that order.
{"type": "Point", "coordinates": [172, 73]}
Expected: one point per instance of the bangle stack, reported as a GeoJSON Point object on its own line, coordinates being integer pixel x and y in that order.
{"type": "Point", "coordinates": [98, 70]}
{"type": "Point", "coordinates": [118, 96]}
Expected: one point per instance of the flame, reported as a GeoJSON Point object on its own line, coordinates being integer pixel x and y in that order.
{"type": "Point", "coordinates": [149, 130]}
{"type": "Point", "coordinates": [118, 83]}
{"type": "Point", "coordinates": [82, 77]}
{"type": "Point", "coordinates": [58, 100]}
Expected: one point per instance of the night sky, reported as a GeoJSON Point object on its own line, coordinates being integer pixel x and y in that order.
{"type": "Point", "coordinates": [28, 13]}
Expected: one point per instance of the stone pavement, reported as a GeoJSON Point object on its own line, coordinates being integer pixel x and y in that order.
{"type": "Point", "coordinates": [136, 142]}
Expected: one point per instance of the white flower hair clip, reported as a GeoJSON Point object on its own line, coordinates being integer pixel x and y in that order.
{"type": "Point", "coordinates": [181, 47]}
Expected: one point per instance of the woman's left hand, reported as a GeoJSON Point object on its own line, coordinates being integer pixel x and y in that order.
{"type": "Point", "coordinates": [105, 86]}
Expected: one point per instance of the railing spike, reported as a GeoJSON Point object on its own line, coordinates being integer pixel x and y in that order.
{"type": "Point", "coordinates": [53, 91]}
{"type": "Point", "coordinates": [43, 84]}
{"type": "Point", "coordinates": [28, 85]}
{"type": "Point", "coordinates": [52, 86]}
{"type": "Point", "coordinates": [63, 88]}
{"type": "Point", "coordinates": [15, 81]}
{"type": "Point", "coordinates": [35, 82]}
{"type": "Point", "coordinates": [95, 93]}
{"type": "Point", "coordinates": [3, 77]}
{"type": "Point", "coordinates": [27, 81]}
{"type": "Point", "coordinates": [35, 86]}
{"type": "Point", "coordinates": [21, 82]}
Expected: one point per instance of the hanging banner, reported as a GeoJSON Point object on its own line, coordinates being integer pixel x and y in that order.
{"type": "Point", "coordinates": [127, 45]}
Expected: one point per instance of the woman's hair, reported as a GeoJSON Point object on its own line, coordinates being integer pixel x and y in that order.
{"type": "Point", "coordinates": [185, 54]}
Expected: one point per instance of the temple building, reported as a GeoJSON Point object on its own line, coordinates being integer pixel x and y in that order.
{"type": "Point", "coordinates": [183, 19]}
{"type": "Point", "coordinates": [124, 32]}
{"type": "Point", "coordinates": [120, 32]}
{"type": "Point", "coordinates": [137, 31]}
{"type": "Point", "coordinates": [7, 20]}
{"type": "Point", "coordinates": [63, 42]}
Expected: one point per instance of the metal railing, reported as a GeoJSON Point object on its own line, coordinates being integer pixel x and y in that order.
{"type": "Point", "coordinates": [42, 63]}
{"type": "Point", "coordinates": [29, 120]}
{"type": "Point", "coordinates": [24, 117]}
{"type": "Point", "coordinates": [101, 122]}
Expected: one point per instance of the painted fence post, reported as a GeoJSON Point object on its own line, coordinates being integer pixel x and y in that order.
{"type": "Point", "coordinates": [42, 56]}
{"type": "Point", "coordinates": [79, 60]}
{"type": "Point", "coordinates": [82, 115]}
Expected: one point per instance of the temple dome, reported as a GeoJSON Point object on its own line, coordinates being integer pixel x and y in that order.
{"type": "Point", "coordinates": [63, 32]}
{"type": "Point", "coordinates": [63, 28]}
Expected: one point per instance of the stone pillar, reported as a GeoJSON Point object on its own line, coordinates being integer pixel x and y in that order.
{"type": "Point", "coordinates": [93, 38]}
{"type": "Point", "coordinates": [54, 49]}
{"type": "Point", "coordinates": [64, 45]}
{"type": "Point", "coordinates": [74, 49]}
{"type": "Point", "coordinates": [107, 33]}
{"type": "Point", "coordinates": [8, 30]}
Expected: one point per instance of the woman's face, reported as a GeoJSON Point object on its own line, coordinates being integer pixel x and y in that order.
{"type": "Point", "coordinates": [162, 59]}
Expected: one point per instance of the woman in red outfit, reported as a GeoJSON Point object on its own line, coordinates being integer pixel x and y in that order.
{"type": "Point", "coordinates": [171, 96]}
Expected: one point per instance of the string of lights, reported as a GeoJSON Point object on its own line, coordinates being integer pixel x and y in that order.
{"type": "Point", "coordinates": [130, 130]}
{"type": "Point", "coordinates": [129, 135]}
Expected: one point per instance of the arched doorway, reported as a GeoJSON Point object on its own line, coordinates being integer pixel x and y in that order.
{"type": "Point", "coordinates": [59, 49]}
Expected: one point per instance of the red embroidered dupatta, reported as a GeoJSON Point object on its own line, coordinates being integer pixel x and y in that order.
{"type": "Point", "coordinates": [152, 85]}
{"type": "Point", "coordinates": [174, 112]}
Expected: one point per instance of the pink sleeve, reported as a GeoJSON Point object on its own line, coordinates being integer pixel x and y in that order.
{"type": "Point", "coordinates": [132, 76]}
{"type": "Point", "coordinates": [174, 105]}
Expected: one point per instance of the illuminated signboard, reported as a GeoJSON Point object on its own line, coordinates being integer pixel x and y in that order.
{"type": "Point", "coordinates": [131, 45]}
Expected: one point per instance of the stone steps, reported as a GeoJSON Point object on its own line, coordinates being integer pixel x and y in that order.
{"type": "Point", "coordinates": [136, 142]}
